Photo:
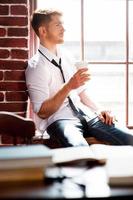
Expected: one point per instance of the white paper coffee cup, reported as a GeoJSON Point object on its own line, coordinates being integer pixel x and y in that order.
{"type": "Point", "coordinates": [81, 64]}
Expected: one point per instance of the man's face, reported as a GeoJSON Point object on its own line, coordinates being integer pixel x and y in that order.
{"type": "Point", "coordinates": [55, 30]}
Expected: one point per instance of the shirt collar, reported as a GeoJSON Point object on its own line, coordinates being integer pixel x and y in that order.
{"type": "Point", "coordinates": [49, 54]}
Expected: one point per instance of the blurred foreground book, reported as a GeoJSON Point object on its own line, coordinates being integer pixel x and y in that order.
{"type": "Point", "coordinates": [20, 163]}
{"type": "Point", "coordinates": [119, 164]}
{"type": "Point", "coordinates": [118, 160]}
{"type": "Point", "coordinates": [24, 163]}
{"type": "Point", "coordinates": [76, 155]}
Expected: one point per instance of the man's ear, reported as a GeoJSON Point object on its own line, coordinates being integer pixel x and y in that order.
{"type": "Point", "coordinates": [42, 30]}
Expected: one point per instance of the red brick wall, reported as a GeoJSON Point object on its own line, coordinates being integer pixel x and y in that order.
{"type": "Point", "coordinates": [14, 45]}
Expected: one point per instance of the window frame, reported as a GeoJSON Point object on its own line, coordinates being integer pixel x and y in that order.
{"type": "Point", "coordinates": [33, 47]}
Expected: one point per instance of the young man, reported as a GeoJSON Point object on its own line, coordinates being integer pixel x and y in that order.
{"type": "Point", "coordinates": [55, 92]}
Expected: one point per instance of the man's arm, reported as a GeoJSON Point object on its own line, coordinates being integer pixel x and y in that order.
{"type": "Point", "coordinates": [51, 105]}
{"type": "Point", "coordinates": [104, 115]}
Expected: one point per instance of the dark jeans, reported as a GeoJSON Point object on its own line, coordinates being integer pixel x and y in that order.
{"type": "Point", "coordinates": [71, 133]}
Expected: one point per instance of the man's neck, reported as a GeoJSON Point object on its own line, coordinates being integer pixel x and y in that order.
{"type": "Point", "coordinates": [51, 47]}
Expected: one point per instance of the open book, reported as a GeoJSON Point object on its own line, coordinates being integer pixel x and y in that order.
{"type": "Point", "coordinates": [118, 159]}
{"type": "Point", "coordinates": [74, 155]}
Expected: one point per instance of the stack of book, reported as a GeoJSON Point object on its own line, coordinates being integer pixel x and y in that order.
{"type": "Point", "coordinates": [20, 163]}
{"type": "Point", "coordinates": [24, 163]}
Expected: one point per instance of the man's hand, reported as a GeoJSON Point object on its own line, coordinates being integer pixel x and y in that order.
{"type": "Point", "coordinates": [79, 78]}
{"type": "Point", "coordinates": [107, 117]}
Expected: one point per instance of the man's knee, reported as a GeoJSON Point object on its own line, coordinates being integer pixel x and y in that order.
{"type": "Point", "coordinates": [66, 133]}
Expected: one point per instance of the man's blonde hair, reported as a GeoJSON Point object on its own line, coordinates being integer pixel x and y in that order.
{"type": "Point", "coordinates": [40, 17]}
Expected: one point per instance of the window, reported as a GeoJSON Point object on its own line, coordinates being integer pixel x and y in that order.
{"type": "Point", "coordinates": [101, 32]}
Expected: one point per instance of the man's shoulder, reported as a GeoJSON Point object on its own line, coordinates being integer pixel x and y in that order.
{"type": "Point", "coordinates": [34, 61]}
{"type": "Point", "coordinates": [34, 66]}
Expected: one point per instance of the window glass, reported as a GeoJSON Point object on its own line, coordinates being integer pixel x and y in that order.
{"type": "Point", "coordinates": [130, 30]}
{"type": "Point", "coordinates": [107, 86]}
{"type": "Point", "coordinates": [105, 30]}
{"type": "Point", "coordinates": [130, 116]}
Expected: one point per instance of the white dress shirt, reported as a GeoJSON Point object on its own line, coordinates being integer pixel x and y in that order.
{"type": "Point", "coordinates": [44, 80]}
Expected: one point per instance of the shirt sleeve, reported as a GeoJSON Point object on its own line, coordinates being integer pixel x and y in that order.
{"type": "Point", "coordinates": [37, 85]}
